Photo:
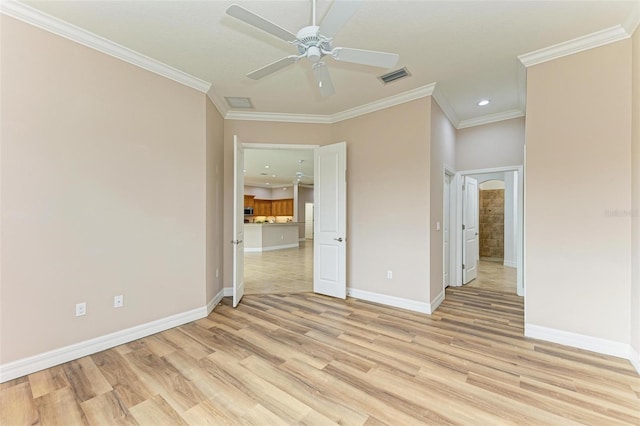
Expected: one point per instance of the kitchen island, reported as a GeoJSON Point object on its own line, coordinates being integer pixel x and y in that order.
{"type": "Point", "coordinates": [270, 236]}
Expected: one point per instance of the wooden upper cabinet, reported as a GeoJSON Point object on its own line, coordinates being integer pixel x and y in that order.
{"type": "Point", "coordinates": [282, 207]}
{"type": "Point", "coordinates": [271, 207]}
{"type": "Point", "coordinates": [262, 207]}
{"type": "Point", "coordinates": [248, 200]}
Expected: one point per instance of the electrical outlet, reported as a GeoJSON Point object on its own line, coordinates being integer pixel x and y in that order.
{"type": "Point", "coordinates": [118, 301]}
{"type": "Point", "coordinates": [81, 309]}
{"type": "Point", "coordinates": [389, 275]}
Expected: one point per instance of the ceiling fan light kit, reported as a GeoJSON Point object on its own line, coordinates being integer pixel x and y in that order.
{"type": "Point", "coordinates": [314, 42]}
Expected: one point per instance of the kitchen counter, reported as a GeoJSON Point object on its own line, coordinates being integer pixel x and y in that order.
{"type": "Point", "coordinates": [270, 236]}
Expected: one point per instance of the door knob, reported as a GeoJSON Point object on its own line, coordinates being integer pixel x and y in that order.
{"type": "Point", "coordinates": [339, 239]}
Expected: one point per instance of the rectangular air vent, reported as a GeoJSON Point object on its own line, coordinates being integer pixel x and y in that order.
{"type": "Point", "coordinates": [236, 102]}
{"type": "Point", "coordinates": [395, 75]}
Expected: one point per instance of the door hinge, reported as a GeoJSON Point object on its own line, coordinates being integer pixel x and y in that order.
{"type": "Point", "coordinates": [463, 228]}
{"type": "Point", "coordinates": [463, 266]}
{"type": "Point", "coordinates": [464, 186]}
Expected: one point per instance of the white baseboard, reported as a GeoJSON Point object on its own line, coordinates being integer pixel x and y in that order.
{"type": "Point", "coordinates": [211, 304]}
{"type": "Point", "coordinates": [396, 302]}
{"type": "Point", "coordinates": [581, 341]}
{"type": "Point", "coordinates": [22, 367]}
{"type": "Point", "coordinates": [284, 246]}
{"type": "Point", "coordinates": [437, 301]}
{"type": "Point", "coordinates": [510, 263]}
{"type": "Point", "coordinates": [635, 359]}
{"type": "Point", "coordinates": [228, 291]}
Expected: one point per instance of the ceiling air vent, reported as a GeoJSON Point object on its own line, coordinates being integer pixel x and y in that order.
{"type": "Point", "coordinates": [237, 102]}
{"type": "Point", "coordinates": [395, 75]}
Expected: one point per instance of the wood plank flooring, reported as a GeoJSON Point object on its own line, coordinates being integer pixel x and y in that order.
{"type": "Point", "coordinates": [309, 359]}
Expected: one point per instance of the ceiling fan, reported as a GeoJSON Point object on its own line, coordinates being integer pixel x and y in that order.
{"type": "Point", "coordinates": [314, 42]}
{"type": "Point", "coordinates": [300, 176]}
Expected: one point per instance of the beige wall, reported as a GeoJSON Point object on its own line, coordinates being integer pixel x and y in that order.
{"type": "Point", "coordinates": [499, 144]}
{"type": "Point", "coordinates": [443, 152]}
{"type": "Point", "coordinates": [215, 208]}
{"type": "Point", "coordinates": [635, 235]}
{"type": "Point", "coordinates": [388, 178]}
{"type": "Point", "coordinates": [103, 193]}
{"type": "Point", "coordinates": [577, 173]}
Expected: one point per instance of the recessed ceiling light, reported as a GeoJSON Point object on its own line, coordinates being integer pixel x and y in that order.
{"type": "Point", "coordinates": [274, 175]}
{"type": "Point", "coordinates": [267, 183]}
{"type": "Point", "coordinates": [245, 170]}
{"type": "Point", "coordinates": [266, 167]}
{"type": "Point", "coordinates": [484, 102]}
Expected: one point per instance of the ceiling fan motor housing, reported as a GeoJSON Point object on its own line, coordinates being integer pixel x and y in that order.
{"type": "Point", "coordinates": [311, 44]}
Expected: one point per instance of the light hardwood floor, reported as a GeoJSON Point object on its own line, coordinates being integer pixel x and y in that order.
{"type": "Point", "coordinates": [310, 359]}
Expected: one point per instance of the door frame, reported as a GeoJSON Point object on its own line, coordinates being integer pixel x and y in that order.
{"type": "Point", "coordinates": [456, 234]}
{"type": "Point", "coordinates": [272, 146]}
{"type": "Point", "coordinates": [452, 222]}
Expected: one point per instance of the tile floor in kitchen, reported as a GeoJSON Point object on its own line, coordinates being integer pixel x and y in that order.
{"type": "Point", "coordinates": [279, 271]}
{"type": "Point", "coordinates": [291, 271]}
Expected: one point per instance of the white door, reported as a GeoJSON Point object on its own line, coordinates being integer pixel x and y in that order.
{"type": "Point", "coordinates": [238, 222]}
{"type": "Point", "coordinates": [446, 234]}
{"type": "Point", "coordinates": [330, 224]}
{"type": "Point", "coordinates": [469, 229]}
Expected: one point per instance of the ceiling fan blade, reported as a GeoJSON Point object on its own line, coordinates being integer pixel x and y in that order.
{"type": "Point", "coordinates": [365, 57]}
{"type": "Point", "coordinates": [251, 18]}
{"type": "Point", "coordinates": [325, 85]}
{"type": "Point", "coordinates": [341, 11]}
{"type": "Point", "coordinates": [272, 67]}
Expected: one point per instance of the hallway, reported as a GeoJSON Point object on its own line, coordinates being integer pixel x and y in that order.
{"type": "Point", "coordinates": [495, 276]}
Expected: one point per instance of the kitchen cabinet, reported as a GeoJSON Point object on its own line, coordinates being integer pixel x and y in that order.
{"type": "Point", "coordinates": [262, 207]}
{"type": "Point", "coordinates": [282, 207]}
{"type": "Point", "coordinates": [271, 207]}
{"type": "Point", "coordinates": [249, 200]}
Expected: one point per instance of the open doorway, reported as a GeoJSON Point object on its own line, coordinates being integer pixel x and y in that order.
{"type": "Point", "coordinates": [279, 184]}
{"type": "Point", "coordinates": [482, 256]}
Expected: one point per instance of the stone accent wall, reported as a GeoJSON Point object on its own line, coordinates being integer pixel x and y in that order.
{"type": "Point", "coordinates": [492, 223]}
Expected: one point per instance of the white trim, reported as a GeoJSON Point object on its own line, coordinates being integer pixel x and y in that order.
{"type": "Point", "coordinates": [492, 118]}
{"type": "Point", "coordinates": [581, 341]}
{"type": "Point", "coordinates": [446, 107]}
{"type": "Point", "coordinates": [22, 367]}
{"type": "Point", "coordinates": [631, 24]}
{"type": "Point", "coordinates": [219, 103]}
{"type": "Point", "coordinates": [510, 263]}
{"type": "Point", "coordinates": [437, 301]}
{"type": "Point", "coordinates": [64, 29]}
{"type": "Point", "coordinates": [278, 117]}
{"type": "Point", "coordinates": [599, 38]}
{"type": "Point", "coordinates": [400, 98]}
{"type": "Point", "coordinates": [390, 101]}
{"type": "Point", "coordinates": [396, 302]}
{"type": "Point", "coordinates": [211, 304]}
{"type": "Point", "coordinates": [228, 291]}
{"type": "Point", "coordinates": [270, 248]}
{"type": "Point", "coordinates": [634, 358]}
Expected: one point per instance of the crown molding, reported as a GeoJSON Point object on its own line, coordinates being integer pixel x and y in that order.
{"type": "Point", "coordinates": [492, 118]}
{"type": "Point", "coordinates": [218, 102]}
{"type": "Point", "coordinates": [394, 100]}
{"type": "Point", "coordinates": [56, 26]}
{"type": "Point", "coordinates": [632, 22]}
{"type": "Point", "coordinates": [599, 38]}
{"type": "Point", "coordinates": [278, 117]}
{"type": "Point", "coordinates": [446, 107]}
{"type": "Point", "coordinates": [400, 98]}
